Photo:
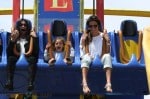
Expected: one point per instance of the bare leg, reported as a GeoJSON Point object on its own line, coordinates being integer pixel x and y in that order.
{"type": "Point", "coordinates": [146, 47]}
{"type": "Point", "coordinates": [108, 80]}
{"type": "Point", "coordinates": [86, 89]}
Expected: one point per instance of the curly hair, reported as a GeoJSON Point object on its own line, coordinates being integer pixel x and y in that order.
{"type": "Point", "coordinates": [28, 22]}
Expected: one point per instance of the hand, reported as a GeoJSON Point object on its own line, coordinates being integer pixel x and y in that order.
{"type": "Point", "coordinates": [48, 45]}
{"type": "Point", "coordinates": [33, 33]}
{"type": "Point", "coordinates": [106, 37]}
{"type": "Point", "coordinates": [69, 32]}
{"type": "Point", "coordinates": [69, 35]}
{"type": "Point", "coordinates": [68, 43]}
{"type": "Point", "coordinates": [14, 34]}
{"type": "Point", "coordinates": [105, 31]}
{"type": "Point", "coordinates": [84, 37]}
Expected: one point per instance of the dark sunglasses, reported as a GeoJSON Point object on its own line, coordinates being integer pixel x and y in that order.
{"type": "Point", "coordinates": [23, 24]}
{"type": "Point", "coordinates": [90, 26]}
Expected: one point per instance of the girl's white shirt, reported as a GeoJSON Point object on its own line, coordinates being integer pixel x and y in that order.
{"type": "Point", "coordinates": [57, 54]}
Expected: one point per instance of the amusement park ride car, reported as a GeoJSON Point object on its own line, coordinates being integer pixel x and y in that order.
{"type": "Point", "coordinates": [128, 74]}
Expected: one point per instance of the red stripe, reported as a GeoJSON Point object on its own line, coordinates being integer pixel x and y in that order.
{"type": "Point", "coordinates": [100, 10]}
{"type": "Point", "coordinates": [16, 10]}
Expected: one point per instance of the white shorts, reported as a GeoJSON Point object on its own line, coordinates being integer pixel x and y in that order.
{"type": "Point", "coordinates": [106, 61]}
{"type": "Point", "coordinates": [86, 61]}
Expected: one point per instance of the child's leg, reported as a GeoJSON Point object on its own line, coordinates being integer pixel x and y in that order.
{"type": "Point", "coordinates": [146, 49]}
{"type": "Point", "coordinates": [106, 60]}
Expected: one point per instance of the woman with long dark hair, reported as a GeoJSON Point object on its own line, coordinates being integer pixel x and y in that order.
{"type": "Point", "coordinates": [95, 42]}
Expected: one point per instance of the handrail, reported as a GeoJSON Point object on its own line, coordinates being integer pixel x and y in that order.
{"type": "Point", "coordinates": [89, 11]}
{"type": "Point", "coordinates": [9, 11]}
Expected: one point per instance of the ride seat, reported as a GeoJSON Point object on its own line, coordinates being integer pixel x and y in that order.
{"type": "Point", "coordinates": [130, 41]}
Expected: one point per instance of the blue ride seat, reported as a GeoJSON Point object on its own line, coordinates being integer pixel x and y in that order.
{"type": "Point", "coordinates": [132, 75]}
{"type": "Point", "coordinates": [54, 79]}
{"type": "Point", "coordinates": [3, 45]}
{"type": "Point", "coordinates": [3, 60]}
{"type": "Point", "coordinates": [59, 28]}
{"type": "Point", "coordinates": [130, 39]}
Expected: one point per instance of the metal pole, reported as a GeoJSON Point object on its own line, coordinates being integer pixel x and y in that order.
{"type": "Point", "coordinates": [93, 7]}
{"type": "Point", "coordinates": [35, 14]}
{"type": "Point", "coordinates": [22, 9]}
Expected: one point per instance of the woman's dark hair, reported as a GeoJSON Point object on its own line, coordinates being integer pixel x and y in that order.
{"type": "Point", "coordinates": [28, 22]}
{"type": "Point", "coordinates": [92, 18]}
{"type": "Point", "coordinates": [96, 19]}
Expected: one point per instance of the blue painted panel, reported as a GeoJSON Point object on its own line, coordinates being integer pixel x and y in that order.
{"type": "Point", "coordinates": [71, 13]}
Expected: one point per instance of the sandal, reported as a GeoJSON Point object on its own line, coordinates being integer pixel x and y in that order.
{"type": "Point", "coordinates": [68, 60]}
{"type": "Point", "coordinates": [108, 87]}
{"type": "Point", "coordinates": [86, 89]}
{"type": "Point", "coordinates": [51, 61]}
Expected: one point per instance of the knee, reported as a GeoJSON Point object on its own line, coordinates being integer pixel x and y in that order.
{"type": "Point", "coordinates": [12, 59]}
{"type": "Point", "coordinates": [107, 55]}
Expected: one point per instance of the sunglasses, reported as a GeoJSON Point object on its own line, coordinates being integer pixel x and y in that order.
{"type": "Point", "coordinates": [90, 26]}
